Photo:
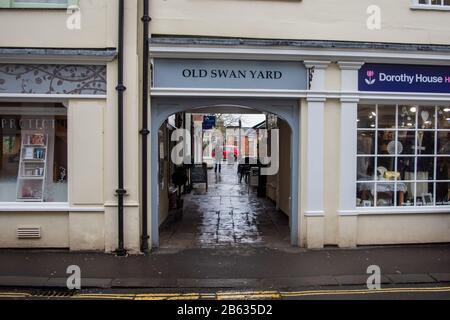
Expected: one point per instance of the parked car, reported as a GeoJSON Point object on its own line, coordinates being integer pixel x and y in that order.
{"type": "Point", "coordinates": [228, 151]}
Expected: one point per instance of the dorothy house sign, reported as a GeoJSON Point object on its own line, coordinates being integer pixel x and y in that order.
{"type": "Point", "coordinates": [229, 74]}
{"type": "Point", "coordinates": [404, 78]}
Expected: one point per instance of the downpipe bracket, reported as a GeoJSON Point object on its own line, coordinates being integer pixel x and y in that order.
{"type": "Point", "coordinates": [121, 88]}
{"type": "Point", "coordinates": [146, 18]}
{"type": "Point", "coordinates": [144, 132]}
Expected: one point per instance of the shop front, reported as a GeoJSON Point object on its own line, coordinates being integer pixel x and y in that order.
{"type": "Point", "coordinates": [51, 138]}
{"type": "Point", "coordinates": [398, 155]}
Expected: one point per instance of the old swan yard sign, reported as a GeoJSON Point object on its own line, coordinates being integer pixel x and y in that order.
{"type": "Point", "coordinates": [229, 74]}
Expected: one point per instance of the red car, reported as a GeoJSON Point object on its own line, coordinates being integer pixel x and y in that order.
{"type": "Point", "coordinates": [228, 150]}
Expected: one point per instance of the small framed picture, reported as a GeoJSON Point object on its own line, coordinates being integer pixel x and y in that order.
{"type": "Point", "coordinates": [367, 203]}
{"type": "Point", "coordinates": [427, 199]}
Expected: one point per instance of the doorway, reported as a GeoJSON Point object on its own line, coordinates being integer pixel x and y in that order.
{"type": "Point", "coordinates": [226, 212]}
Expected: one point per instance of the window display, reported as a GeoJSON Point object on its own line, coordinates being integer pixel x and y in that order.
{"type": "Point", "coordinates": [33, 152]}
{"type": "Point", "coordinates": [403, 156]}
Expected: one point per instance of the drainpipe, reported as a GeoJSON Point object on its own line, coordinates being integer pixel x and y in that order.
{"type": "Point", "coordinates": [145, 131]}
{"type": "Point", "coordinates": [120, 92]}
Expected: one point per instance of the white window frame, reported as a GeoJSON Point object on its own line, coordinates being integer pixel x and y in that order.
{"type": "Point", "coordinates": [8, 206]}
{"type": "Point", "coordinates": [396, 208]}
{"type": "Point", "coordinates": [420, 6]}
{"type": "Point", "coordinates": [12, 4]}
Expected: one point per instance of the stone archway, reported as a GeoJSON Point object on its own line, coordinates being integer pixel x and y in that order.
{"type": "Point", "coordinates": [287, 109]}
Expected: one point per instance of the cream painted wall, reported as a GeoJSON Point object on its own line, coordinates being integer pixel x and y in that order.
{"type": "Point", "coordinates": [54, 229]}
{"type": "Point", "coordinates": [307, 19]}
{"type": "Point", "coordinates": [333, 77]}
{"type": "Point", "coordinates": [47, 28]}
{"type": "Point", "coordinates": [132, 125]}
{"type": "Point", "coordinates": [331, 170]}
{"type": "Point", "coordinates": [398, 229]}
{"type": "Point", "coordinates": [87, 231]}
{"type": "Point", "coordinates": [86, 151]}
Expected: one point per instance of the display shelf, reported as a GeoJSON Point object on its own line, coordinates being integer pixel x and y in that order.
{"type": "Point", "coordinates": [33, 166]}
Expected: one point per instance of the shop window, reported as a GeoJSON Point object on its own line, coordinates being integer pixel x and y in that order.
{"type": "Point", "coordinates": [33, 153]}
{"type": "Point", "coordinates": [431, 4]}
{"type": "Point", "coordinates": [403, 156]}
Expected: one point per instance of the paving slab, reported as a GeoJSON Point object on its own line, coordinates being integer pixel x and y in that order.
{"type": "Point", "coordinates": [218, 283]}
{"type": "Point", "coordinates": [441, 277]}
{"type": "Point", "coordinates": [19, 281]}
{"type": "Point", "coordinates": [411, 278]}
{"type": "Point", "coordinates": [358, 280]}
{"type": "Point", "coordinates": [144, 283]}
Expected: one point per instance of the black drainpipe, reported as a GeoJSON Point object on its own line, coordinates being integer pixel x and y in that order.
{"type": "Point", "coordinates": [120, 91]}
{"type": "Point", "coordinates": [145, 132]}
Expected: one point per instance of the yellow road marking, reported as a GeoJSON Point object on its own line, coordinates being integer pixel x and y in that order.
{"type": "Point", "coordinates": [363, 291]}
{"type": "Point", "coordinates": [14, 295]}
{"type": "Point", "coordinates": [174, 296]}
{"type": "Point", "coordinates": [232, 295]}
{"type": "Point", "coordinates": [248, 295]}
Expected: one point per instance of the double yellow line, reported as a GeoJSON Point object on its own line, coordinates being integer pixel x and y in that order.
{"type": "Point", "coordinates": [363, 291]}
{"type": "Point", "coordinates": [236, 295]}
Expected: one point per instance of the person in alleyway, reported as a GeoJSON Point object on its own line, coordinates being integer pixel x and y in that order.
{"type": "Point", "coordinates": [218, 156]}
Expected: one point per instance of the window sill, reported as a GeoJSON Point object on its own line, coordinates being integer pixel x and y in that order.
{"type": "Point", "coordinates": [46, 207]}
{"type": "Point", "coordinates": [396, 211]}
{"type": "Point", "coordinates": [34, 8]}
{"type": "Point", "coordinates": [429, 7]}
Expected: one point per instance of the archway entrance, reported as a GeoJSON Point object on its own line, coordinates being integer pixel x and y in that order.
{"type": "Point", "coordinates": [286, 110]}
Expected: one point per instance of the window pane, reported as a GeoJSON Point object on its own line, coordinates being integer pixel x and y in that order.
{"type": "Point", "coordinates": [366, 116]}
{"type": "Point", "coordinates": [442, 193]}
{"type": "Point", "coordinates": [364, 194]}
{"type": "Point", "coordinates": [366, 142]}
{"type": "Point", "coordinates": [424, 194]}
{"type": "Point", "coordinates": [443, 142]}
{"type": "Point", "coordinates": [385, 167]}
{"type": "Point", "coordinates": [385, 194]}
{"type": "Point", "coordinates": [33, 165]}
{"type": "Point", "coordinates": [386, 116]}
{"type": "Point", "coordinates": [442, 170]}
{"type": "Point", "coordinates": [427, 117]}
{"type": "Point", "coordinates": [405, 193]}
{"type": "Point", "coordinates": [425, 142]}
{"type": "Point", "coordinates": [425, 168]}
{"type": "Point", "coordinates": [407, 142]}
{"type": "Point", "coordinates": [443, 118]}
{"type": "Point", "coordinates": [407, 117]}
{"type": "Point", "coordinates": [366, 168]}
{"type": "Point", "coordinates": [406, 168]}
{"type": "Point", "coordinates": [386, 142]}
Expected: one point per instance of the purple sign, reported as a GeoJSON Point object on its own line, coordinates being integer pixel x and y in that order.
{"type": "Point", "coordinates": [404, 78]}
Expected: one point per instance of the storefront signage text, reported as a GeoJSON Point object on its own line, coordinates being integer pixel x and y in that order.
{"type": "Point", "coordinates": [229, 74]}
{"type": "Point", "coordinates": [232, 74]}
{"type": "Point", "coordinates": [404, 78]}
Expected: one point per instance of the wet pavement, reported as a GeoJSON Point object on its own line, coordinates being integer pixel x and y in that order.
{"type": "Point", "coordinates": [228, 214]}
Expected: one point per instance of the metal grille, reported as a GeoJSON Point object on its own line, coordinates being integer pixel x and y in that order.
{"type": "Point", "coordinates": [29, 232]}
